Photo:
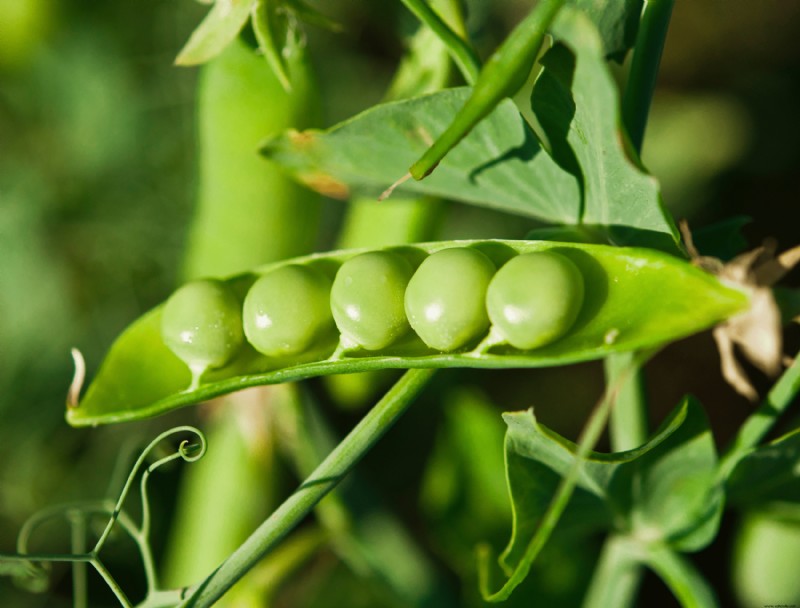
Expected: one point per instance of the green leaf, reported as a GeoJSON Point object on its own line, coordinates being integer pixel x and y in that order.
{"type": "Point", "coordinates": [635, 299]}
{"type": "Point", "coordinates": [220, 26]}
{"type": "Point", "coordinates": [577, 103]}
{"type": "Point", "coordinates": [768, 473]}
{"type": "Point", "coordinates": [616, 20]}
{"type": "Point", "coordinates": [656, 493]}
{"type": "Point", "coordinates": [500, 164]}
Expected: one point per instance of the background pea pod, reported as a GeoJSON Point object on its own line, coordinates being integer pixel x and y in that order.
{"type": "Point", "coordinates": [246, 213]}
{"type": "Point", "coordinates": [247, 209]}
{"type": "Point", "coordinates": [634, 299]}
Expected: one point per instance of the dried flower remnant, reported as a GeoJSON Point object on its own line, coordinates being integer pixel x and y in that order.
{"type": "Point", "coordinates": [758, 331]}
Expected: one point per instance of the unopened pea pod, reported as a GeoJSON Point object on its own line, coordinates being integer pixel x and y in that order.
{"type": "Point", "coordinates": [632, 299]}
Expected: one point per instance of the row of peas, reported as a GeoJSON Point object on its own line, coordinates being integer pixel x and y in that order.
{"type": "Point", "coordinates": [375, 299]}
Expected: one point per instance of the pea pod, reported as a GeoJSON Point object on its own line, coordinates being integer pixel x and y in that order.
{"type": "Point", "coordinates": [632, 299]}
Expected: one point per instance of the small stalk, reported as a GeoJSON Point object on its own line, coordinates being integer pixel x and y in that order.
{"type": "Point", "coordinates": [628, 426]}
{"type": "Point", "coordinates": [617, 575]}
{"type": "Point", "coordinates": [680, 575]}
{"type": "Point", "coordinates": [78, 547]}
{"type": "Point", "coordinates": [460, 50]}
{"type": "Point", "coordinates": [759, 423]}
{"type": "Point", "coordinates": [502, 76]}
{"type": "Point", "coordinates": [326, 477]}
{"type": "Point", "coordinates": [644, 68]}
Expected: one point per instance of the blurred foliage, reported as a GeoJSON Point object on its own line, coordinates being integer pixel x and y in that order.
{"type": "Point", "coordinates": [97, 179]}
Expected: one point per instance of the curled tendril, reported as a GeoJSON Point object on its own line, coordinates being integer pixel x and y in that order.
{"type": "Point", "coordinates": [35, 566]}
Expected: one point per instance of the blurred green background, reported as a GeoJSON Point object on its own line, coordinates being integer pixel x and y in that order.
{"type": "Point", "coordinates": [97, 182]}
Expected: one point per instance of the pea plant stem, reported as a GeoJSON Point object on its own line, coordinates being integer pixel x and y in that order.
{"type": "Point", "coordinates": [628, 424]}
{"type": "Point", "coordinates": [460, 50]}
{"type": "Point", "coordinates": [629, 419]}
{"type": "Point", "coordinates": [759, 423]}
{"type": "Point", "coordinates": [502, 76]}
{"type": "Point", "coordinates": [685, 582]}
{"type": "Point", "coordinates": [644, 68]}
{"type": "Point", "coordinates": [616, 577]}
{"type": "Point", "coordinates": [326, 477]}
{"type": "Point", "coordinates": [78, 547]}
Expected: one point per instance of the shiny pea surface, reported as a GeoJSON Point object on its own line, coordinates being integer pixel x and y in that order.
{"type": "Point", "coordinates": [287, 310]}
{"type": "Point", "coordinates": [445, 299]}
{"type": "Point", "coordinates": [367, 299]}
{"type": "Point", "coordinates": [534, 299]}
{"type": "Point", "coordinates": [202, 324]}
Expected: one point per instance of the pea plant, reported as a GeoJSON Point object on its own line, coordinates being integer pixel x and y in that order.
{"type": "Point", "coordinates": [541, 130]}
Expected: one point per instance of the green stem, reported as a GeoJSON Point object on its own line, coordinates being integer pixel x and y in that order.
{"type": "Point", "coordinates": [685, 582]}
{"type": "Point", "coordinates": [327, 475]}
{"type": "Point", "coordinates": [112, 584]}
{"type": "Point", "coordinates": [759, 423]}
{"type": "Point", "coordinates": [617, 576]}
{"type": "Point", "coordinates": [628, 424]}
{"type": "Point", "coordinates": [161, 599]}
{"type": "Point", "coordinates": [628, 429]}
{"type": "Point", "coordinates": [462, 53]}
{"type": "Point", "coordinates": [644, 68]}
{"type": "Point", "coordinates": [78, 547]}
{"type": "Point", "coordinates": [502, 76]}
{"type": "Point", "coordinates": [629, 420]}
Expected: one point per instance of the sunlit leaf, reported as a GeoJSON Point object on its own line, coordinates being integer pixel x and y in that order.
{"type": "Point", "coordinates": [500, 164]}
{"type": "Point", "coordinates": [577, 103]}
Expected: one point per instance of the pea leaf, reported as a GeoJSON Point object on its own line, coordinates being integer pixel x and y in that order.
{"type": "Point", "coordinates": [617, 21]}
{"type": "Point", "coordinates": [635, 299]}
{"type": "Point", "coordinates": [220, 26]}
{"type": "Point", "coordinates": [589, 179]}
{"type": "Point", "coordinates": [659, 491]}
{"type": "Point", "coordinates": [576, 101]}
{"type": "Point", "coordinates": [500, 164]}
{"type": "Point", "coordinates": [769, 473]}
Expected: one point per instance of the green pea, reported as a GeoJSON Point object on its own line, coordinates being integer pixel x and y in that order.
{"type": "Point", "coordinates": [445, 299]}
{"type": "Point", "coordinates": [534, 299]}
{"type": "Point", "coordinates": [202, 325]}
{"type": "Point", "coordinates": [367, 299]}
{"type": "Point", "coordinates": [287, 311]}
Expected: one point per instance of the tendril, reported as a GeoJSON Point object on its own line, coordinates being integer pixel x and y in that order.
{"type": "Point", "coordinates": [33, 568]}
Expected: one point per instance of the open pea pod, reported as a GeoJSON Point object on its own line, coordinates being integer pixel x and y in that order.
{"type": "Point", "coordinates": [632, 299]}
